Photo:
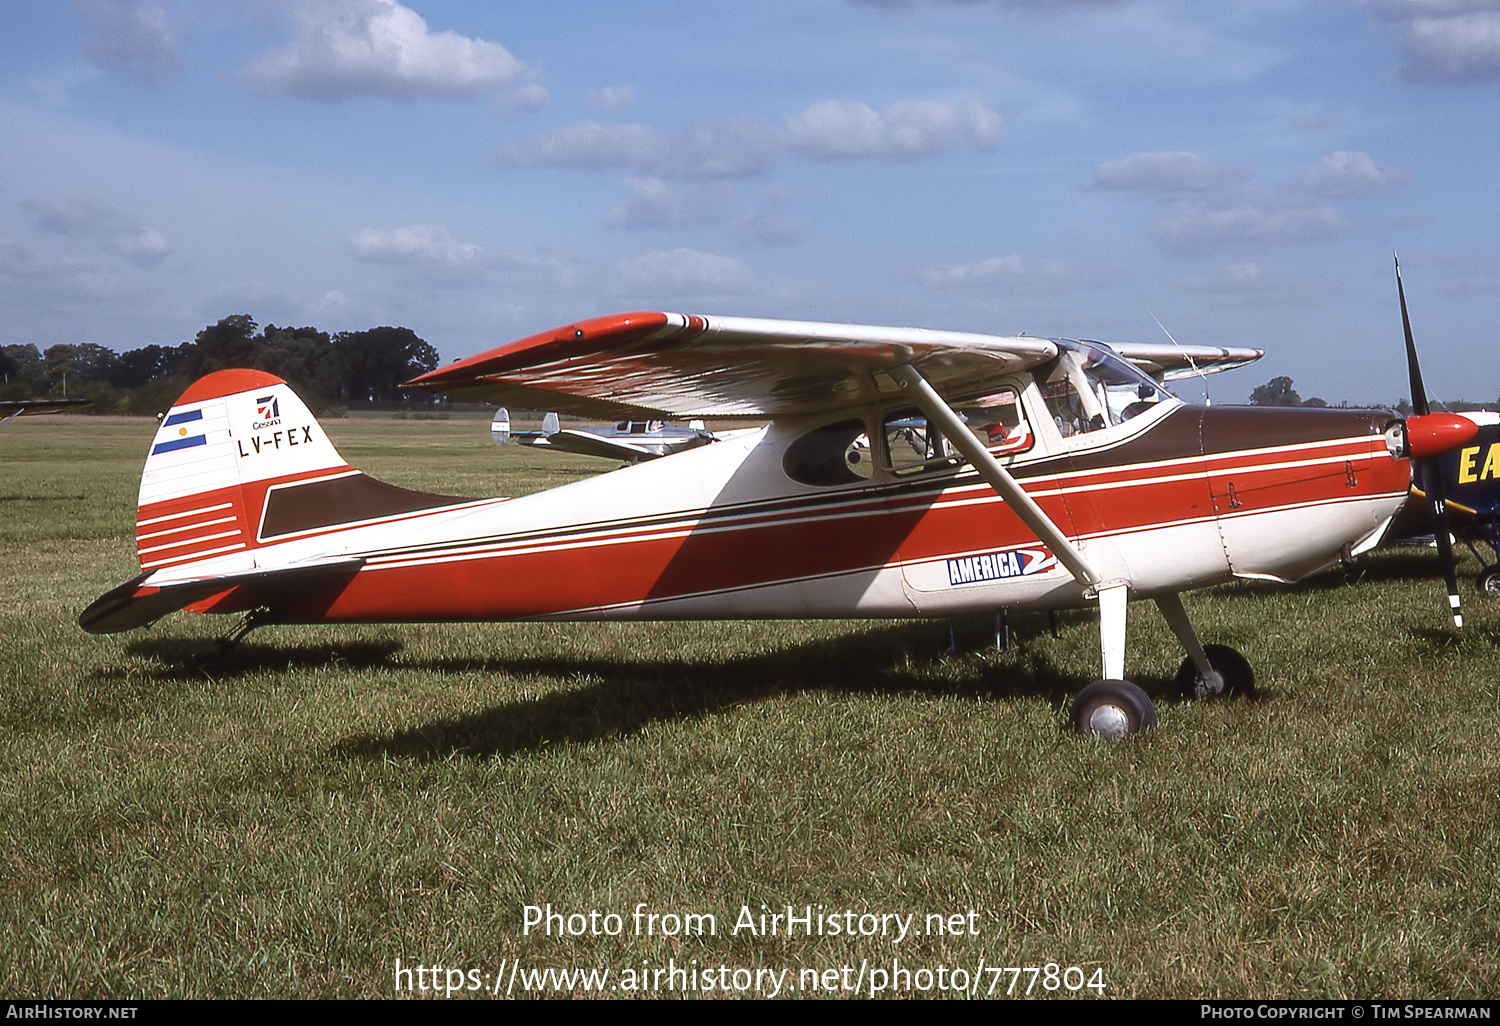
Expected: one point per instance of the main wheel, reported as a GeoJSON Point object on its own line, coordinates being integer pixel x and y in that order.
{"type": "Point", "coordinates": [1489, 580]}
{"type": "Point", "coordinates": [1113, 709]}
{"type": "Point", "coordinates": [1232, 675]}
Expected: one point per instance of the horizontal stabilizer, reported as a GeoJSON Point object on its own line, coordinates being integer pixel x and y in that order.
{"type": "Point", "coordinates": [138, 602]}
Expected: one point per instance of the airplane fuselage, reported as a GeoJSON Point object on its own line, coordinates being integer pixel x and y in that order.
{"type": "Point", "coordinates": [1179, 498]}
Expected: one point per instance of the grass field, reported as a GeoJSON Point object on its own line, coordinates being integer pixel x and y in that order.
{"type": "Point", "coordinates": [293, 818]}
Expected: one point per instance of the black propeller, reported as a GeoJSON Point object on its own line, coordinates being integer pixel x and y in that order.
{"type": "Point", "coordinates": [1429, 473]}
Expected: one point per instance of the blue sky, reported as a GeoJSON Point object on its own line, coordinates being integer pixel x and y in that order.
{"type": "Point", "coordinates": [481, 171]}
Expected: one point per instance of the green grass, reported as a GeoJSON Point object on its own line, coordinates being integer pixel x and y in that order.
{"type": "Point", "coordinates": [291, 819]}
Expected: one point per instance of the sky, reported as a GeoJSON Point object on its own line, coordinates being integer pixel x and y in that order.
{"type": "Point", "coordinates": [1229, 173]}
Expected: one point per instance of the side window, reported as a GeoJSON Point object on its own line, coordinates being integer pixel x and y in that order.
{"type": "Point", "coordinates": [998, 422]}
{"type": "Point", "coordinates": [913, 445]}
{"type": "Point", "coordinates": [834, 454]}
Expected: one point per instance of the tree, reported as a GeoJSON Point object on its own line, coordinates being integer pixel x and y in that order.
{"type": "Point", "coordinates": [230, 343]}
{"type": "Point", "coordinates": [1276, 392]}
{"type": "Point", "coordinates": [377, 361]}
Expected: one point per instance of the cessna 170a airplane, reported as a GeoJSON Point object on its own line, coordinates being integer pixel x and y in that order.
{"type": "Point", "coordinates": [903, 473]}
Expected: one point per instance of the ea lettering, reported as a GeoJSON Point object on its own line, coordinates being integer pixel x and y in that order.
{"type": "Point", "coordinates": [275, 440]}
{"type": "Point", "coordinates": [1468, 459]}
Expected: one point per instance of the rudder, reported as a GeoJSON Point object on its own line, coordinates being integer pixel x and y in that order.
{"type": "Point", "coordinates": [229, 438]}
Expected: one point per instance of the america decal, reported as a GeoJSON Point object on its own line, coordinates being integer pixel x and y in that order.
{"type": "Point", "coordinates": [997, 566]}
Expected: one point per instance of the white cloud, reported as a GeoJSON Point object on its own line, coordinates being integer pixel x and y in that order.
{"type": "Point", "coordinates": [522, 101]}
{"type": "Point", "coordinates": [1210, 207]}
{"type": "Point", "coordinates": [1459, 48]}
{"type": "Point", "coordinates": [768, 225]}
{"type": "Point", "coordinates": [131, 37]}
{"type": "Point", "coordinates": [428, 256]}
{"type": "Point", "coordinates": [655, 204]}
{"type": "Point", "coordinates": [1452, 41]}
{"type": "Point", "coordinates": [1168, 172]}
{"type": "Point", "coordinates": [1246, 221]}
{"type": "Point", "coordinates": [839, 129]}
{"type": "Point", "coordinates": [430, 244]}
{"type": "Point", "coordinates": [1350, 173]}
{"type": "Point", "coordinates": [741, 147]}
{"type": "Point", "coordinates": [331, 302]}
{"type": "Point", "coordinates": [682, 271]}
{"type": "Point", "coordinates": [708, 148]}
{"type": "Point", "coordinates": [612, 99]}
{"type": "Point", "coordinates": [52, 280]}
{"type": "Point", "coordinates": [108, 229]}
{"type": "Point", "coordinates": [1016, 274]}
{"type": "Point", "coordinates": [344, 48]}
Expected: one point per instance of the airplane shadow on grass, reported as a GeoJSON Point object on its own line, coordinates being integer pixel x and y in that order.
{"type": "Point", "coordinates": [622, 696]}
{"type": "Point", "coordinates": [618, 696]}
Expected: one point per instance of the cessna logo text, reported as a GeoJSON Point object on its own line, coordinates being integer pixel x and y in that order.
{"type": "Point", "coordinates": [268, 409]}
{"type": "Point", "coordinates": [996, 566]}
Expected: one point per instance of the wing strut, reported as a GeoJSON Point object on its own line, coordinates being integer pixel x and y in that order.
{"type": "Point", "coordinates": [996, 476]}
{"type": "Point", "coordinates": [1111, 594]}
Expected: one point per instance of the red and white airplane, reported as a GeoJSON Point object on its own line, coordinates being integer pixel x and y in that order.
{"type": "Point", "coordinates": [903, 473]}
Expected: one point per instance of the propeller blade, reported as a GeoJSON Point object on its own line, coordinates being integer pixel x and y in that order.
{"type": "Point", "coordinates": [1437, 505]}
{"type": "Point", "coordinates": [1428, 470]}
{"type": "Point", "coordinates": [1418, 392]}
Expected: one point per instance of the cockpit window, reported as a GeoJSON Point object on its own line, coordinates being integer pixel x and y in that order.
{"type": "Point", "coordinates": [912, 444]}
{"type": "Point", "coordinates": [834, 454]}
{"type": "Point", "coordinates": [1088, 388]}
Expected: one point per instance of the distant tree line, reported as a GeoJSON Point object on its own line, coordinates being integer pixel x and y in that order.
{"type": "Point", "coordinates": [1279, 392]}
{"type": "Point", "coordinates": [350, 368]}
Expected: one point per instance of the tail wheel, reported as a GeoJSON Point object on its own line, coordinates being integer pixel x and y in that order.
{"type": "Point", "coordinates": [1113, 709]}
{"type": "Point", "coordinates": [1232, 675]}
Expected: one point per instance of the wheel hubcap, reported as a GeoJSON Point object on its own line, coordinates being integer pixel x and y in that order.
{"type": "Point", "coordinates": [1110, 721]}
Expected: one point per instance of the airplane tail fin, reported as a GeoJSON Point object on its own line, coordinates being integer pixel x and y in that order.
{"type": "Point", "coordinates": [225, 444]}
{"type": "Point", "coordinates": [239, 486]}
{"type": "Point", "coordinates": [550, 425]}
{"type": "Point", "coordinates": [500, 427]}
{"type": "Point", "coordinates": [238, 467]}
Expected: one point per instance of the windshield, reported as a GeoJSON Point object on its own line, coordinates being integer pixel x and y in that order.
{"type": "Point", "coordinates": [1089, 388]}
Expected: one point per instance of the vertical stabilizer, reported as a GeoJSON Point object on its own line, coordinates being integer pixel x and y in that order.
{"type": "Point", "coordinates": [225, 442]}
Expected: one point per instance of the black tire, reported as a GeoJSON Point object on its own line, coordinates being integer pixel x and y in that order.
{"type": "Point", "coordinates": [1233, 669]}
{"type": "Point", "coordinates": [1489, 580]}
{"type": "Point", "coordinates": [1113, 709]}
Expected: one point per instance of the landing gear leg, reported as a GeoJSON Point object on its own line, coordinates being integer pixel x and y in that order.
{"type": "Point", "coordinates": [1208, 670]}
{"type": "Point", "coordinates": [258, 617]}
{"type": "Point", "coordinates": [1112, 707]}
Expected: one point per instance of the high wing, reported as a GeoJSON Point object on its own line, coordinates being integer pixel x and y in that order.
{"type": "Point", "coordinates": [1171, 362]}
{"type": "Point", "coordinates": [674, 365]}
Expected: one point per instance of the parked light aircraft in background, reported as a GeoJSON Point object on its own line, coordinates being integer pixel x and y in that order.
{"type": "Point", "coordinates": [903, 473]}
{"type": "Point", "coordinates": [10, 409]}
{"type": "Point", "coordinates": [1471, 482]}
{"type": "Point", "coordinates": [629, 440]}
